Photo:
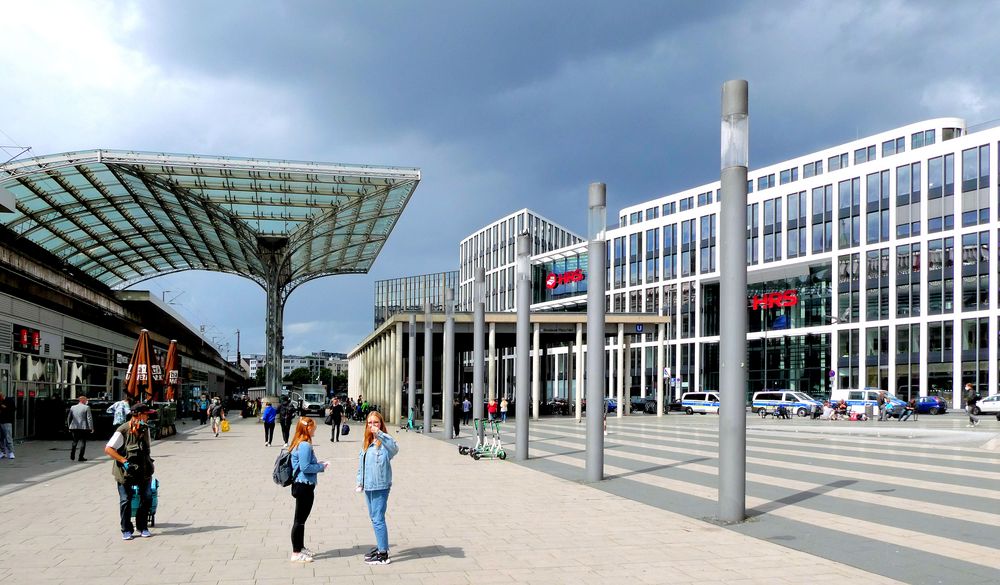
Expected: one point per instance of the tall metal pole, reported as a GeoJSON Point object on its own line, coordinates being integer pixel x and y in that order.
{"type": "Point", "coordinates": [733, 303]}
{"type": "Point", "coordinates": [448, 365]}
{"type": "Point", "coordinates": [597, 200]}
{"type": "Point", "coordinates": [478, 346]}
{"type": "Point", "coordinates": [523, 390]}
{"type": "Point", "coordinates": [411, 371]}
{"type": "Point", "coordinates": [428, 365]}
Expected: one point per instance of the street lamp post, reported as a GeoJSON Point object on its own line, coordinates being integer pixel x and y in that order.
{"type": "Point", "coordinates": [597, 200]}
{"type": "Point", "coordinates": [478, 347]}
{"type": "Point", "coordinates": [733, 300]}
{"type": "Point", "coordinates": [523, 389]}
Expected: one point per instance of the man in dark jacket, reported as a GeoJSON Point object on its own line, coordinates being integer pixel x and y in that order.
{"type": "Point", "coordinates": [337, 416]}
{"type": "Point", "coordinates": [133, 470]}
{"type": "Point", "coordinates": [286, 413]}
{"type": "Point", "coordinates": [971, 398]}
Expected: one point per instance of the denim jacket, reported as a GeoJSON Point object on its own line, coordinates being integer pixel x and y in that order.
{"type": "Point", "coordinates": [305, 464]}
{"type": "Point", "coordinates": [374, 471]}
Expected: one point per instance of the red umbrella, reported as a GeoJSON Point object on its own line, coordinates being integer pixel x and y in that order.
{"type": "Point", "coordinates": [143, 371]}
{"type": "Point", "coordinates": [171, 368]}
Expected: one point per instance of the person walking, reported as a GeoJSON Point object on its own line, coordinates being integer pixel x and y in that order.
{"type": "Point", "coordinates": [7, 407]}
{"type": "Point", "coordinates": [286, 414]}
{"type": "Point", "coordinates": [119, 411]}
{"type": "Point", "coordinates": [971, 398]}
{"type": "Point", "coordinates": [81, 425]}
{"type": "Point", "coordinates": [491, 409]}
{"type": "Point", "coordinates": [909, 410]}
{"type": "Point", "coordinates": [466, 411]}
{"type": "Point", "coordinates": [305, 467]}
{"type": "Point", "coordinates": [503, 409]}
{"type": "Point", "coordinates": [216, 412]}
{"type": "Point", "coordinates": [456, 412]}
{"type": "Point", "coordinates": [270, 413]}
{"type": "Point", "coordinates": [203, 405]}
{"type": "Point", "coordinates": [881, 405]}
{"type": "Point", "coordinates": [133, 470]}
{"type": "Point", "coordinates": [337, 416]}
{"type": "Point", "coordinates": [375, 479]}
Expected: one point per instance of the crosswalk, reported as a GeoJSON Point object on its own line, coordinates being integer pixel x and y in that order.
{"type": "Point", "coordinates": [914, 511]}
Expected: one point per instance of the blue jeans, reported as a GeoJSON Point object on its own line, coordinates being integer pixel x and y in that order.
{"type": "Point", "coordinates": [6, 438]}
{"type": "Point", "coordinates": [125, 505]}
{"type": "Point", "coordinates": [377, 501]}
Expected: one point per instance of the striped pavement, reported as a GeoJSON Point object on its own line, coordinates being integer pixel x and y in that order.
{"type": "Point", "coordinates": [917, 503]}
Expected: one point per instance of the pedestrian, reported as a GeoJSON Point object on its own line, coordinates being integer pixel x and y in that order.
{"type": "Point", "coordinates": [375, 480]}
{"type": "Point", "coordinates": [119, 411]}
{"type": "Point", "coordinates": [909, 410]}
{"type": "Point", "coordinates": [305, 467]}
{"type": "Point", "coordinates": [503, 409]}
{"type": "Point", "coordinates": [7, 407]}
{"type": "Point", "coordinates": [337, 416]}
{"type": "Point", "coordinates": [286, 414]}
{"type": "Point", "coordinates": [881, 405]}
{"type": "Point", "coordinates": [203, 405]}
{"type": "Point", "coordinates": [81, 425]}
{"type": "Point", "coordinates": [133, 470]}
{"type": "Point", "coordinates": [491, 409]}
{"type": "Point", "coordinates": [456, 412]}
{"type": "Point", "coordinates": [971, 398]}
{"type": "Point", "coordinates": [217, 413]}
{"type": "Point", "coordinates": [466, 410]}
{"type": "Point", "coordinates": [268, 416]}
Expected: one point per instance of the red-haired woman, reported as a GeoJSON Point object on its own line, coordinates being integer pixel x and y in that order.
{"type": "Point", "coordinates": [305, 467]}
{"type": "Point", "coordinates": [375, 479]}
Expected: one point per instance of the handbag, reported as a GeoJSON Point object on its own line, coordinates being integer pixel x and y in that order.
{"type": "Point", "coordinates": [329, 419]}
{"type": "Point", "coordinates": [345, 429]}
{"type": "Point", "coordinates": [225, 426]}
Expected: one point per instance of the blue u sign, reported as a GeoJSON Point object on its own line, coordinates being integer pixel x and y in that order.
{"type": "Point", "coordinates": [638, 328]}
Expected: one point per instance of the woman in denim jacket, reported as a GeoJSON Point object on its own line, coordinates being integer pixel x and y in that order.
{"type": "Point", "coordinates": [375, 479]}
{"type": "Point", "coordinates": [305, 467]}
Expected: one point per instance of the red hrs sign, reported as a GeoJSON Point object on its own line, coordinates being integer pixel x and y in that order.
{"type": "Point", "coordinates": [553, 280]}
{"type": "Point", "coordinates": [788, 298]}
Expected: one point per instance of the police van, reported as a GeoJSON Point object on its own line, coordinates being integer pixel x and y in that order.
{"type": "Point", "coordinates": [700, 402]}
{"type": "Point", "coordinates": [798, 403]}
{"type": "Point", "coordinates": [858, 400]}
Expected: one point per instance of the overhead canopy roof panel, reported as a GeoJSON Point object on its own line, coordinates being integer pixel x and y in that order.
{"type": "Point", "coordinates": [124, 217]}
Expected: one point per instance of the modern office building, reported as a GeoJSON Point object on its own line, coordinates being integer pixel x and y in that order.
{"type": "Point", "coordinates": [853, 276]}
{"type": "Point", "coordinates": [494, 248]}
{"type": "Point", "coordinates": [409, 293]}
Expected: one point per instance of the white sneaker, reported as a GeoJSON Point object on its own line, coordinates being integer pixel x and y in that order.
{"type": "Point", "coordinates": [10, 455]}
{"type": "Point", "coordinates": [300, 557]}
{"type": "Point", "coordinates": [970, 425]}
{"type": "Point", "coordinates": [307, 552]}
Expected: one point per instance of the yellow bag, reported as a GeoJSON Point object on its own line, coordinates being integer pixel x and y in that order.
{"type": "Point", "coordinates": [225, 426]}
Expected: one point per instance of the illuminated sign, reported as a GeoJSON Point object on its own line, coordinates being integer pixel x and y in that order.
{"type": "Point", "coordinates": [26, 339]}
{"type": "Point", "coordinates": [553, 280]}
{"type": "Point", "coordinates": [788, 298]}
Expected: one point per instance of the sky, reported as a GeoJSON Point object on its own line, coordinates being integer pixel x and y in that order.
{"type": "Point", "coordinates": [501, 105]}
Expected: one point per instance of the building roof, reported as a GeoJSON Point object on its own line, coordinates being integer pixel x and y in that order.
{"type": "Point", "coordinates": [124, 217]}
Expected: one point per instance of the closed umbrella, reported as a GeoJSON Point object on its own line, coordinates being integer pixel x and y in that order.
{"type": "Point", "coordinates": [143, 371]}
{"type": "Point", "coordinates": [172, 373]}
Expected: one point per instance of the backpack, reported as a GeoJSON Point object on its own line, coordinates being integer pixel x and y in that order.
{"type": "Point", "coordinates": [283, 474]}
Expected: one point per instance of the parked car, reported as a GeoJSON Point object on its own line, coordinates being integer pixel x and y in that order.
{"type": "Point", "coordinates": [989, 405]}
{"type": "Point", "coordinates": [650, 406]}
{"type": "Point", "coordinates": [610, 405]}
{"type": "Point", "coordinates": [637, 403]}
{"type": "Point", "coordinates": [931, 405]}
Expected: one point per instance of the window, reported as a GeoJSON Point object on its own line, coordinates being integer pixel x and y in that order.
{"type": "Point", "coordinates": [753, 232]}
{"type": "Point", "coordinates": [941, 193]}
{"type": "Point", "coordinates": [704, 198]}
{"type": "Point", "coordinates": [765, 182]}
{"type": "Point", "coordinates": [849, 213]}
{"type": "Point", "coordinates": [940, 276]}
{"type": "Point", "coordinates": [976, 185]}
{"type": "Point", "coordinates": [789, 175]}
{"type": "Point", "coordinates": [877, 273]}
{"type": "Point", "coordinates": [687, 203]}
{"type": "Point", "coordinates": [812, 169]}
{"type": "Point", "coordinates": [908, 280]}
{"type": "Point", "coordinates": [669, 208]}
{"type": "Point", "coordinates": [670, 251]}
{"type": "Point", "coordinates": [619, 262]}
{"type": "Point", "coordinates": [822, 219]}
{"type": "Point", "coordinates": [920, 139]}
{"type": "Point", "coordinates": [863, 155]}
{"type": "Point", "coordinates": [949, 133]}
{"type": "Point", "coordinates": [635, 259]}
{"type": "Point", "coordinates": [894, 146]}
{"type": "Point", "coordinates": [849, 288]}
{"type": "Point", "coordinates": [652, 213]}
{"type": "Point", "coordinates": [653, 255]}
{"type": "Point", "coordinates": [707, 260]}
{"type": "Point", "coordinates": [772, 229]}
{"type": "Point", "coordinates": [687, 247]}
{"type": "Point", "coordinates": [975, 271]}
{"type": "Point", "coordinates": [797, 228]}
{"type": "Point", "coordinates": [837, 162]}
{"type": "Point", "coordinates": [877, 208]}
{"type": "Point", "coordinates": [634, 217]}
{"type": "Point", "coordinates": [908, 200]}
{"type": "Point", "coordinates": [688, 308]}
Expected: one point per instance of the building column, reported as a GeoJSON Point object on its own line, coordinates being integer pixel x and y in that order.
{"type": "Point", "coordinates": [659, 368]}
{"type": "Point", "coordinates": [578, 394]}
{"type": "Point", "coordinates": [611, 359]}
{"type": "Point", "coordinates": [536, 378]}
{"type": "Point", "coordinates": [620, 390]}
{"type": "Point", "coordinates": [642, 367]}
{"type": "Point", "coordinates": [397, 402]}
{"type": "Point", "coordinates": [491, 392]}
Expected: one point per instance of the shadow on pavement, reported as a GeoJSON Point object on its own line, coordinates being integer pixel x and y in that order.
{"type": "Point", "coordinates": [426, 552]}
{"type": "Point", "coordinates": [167, 529]}
{"type": "Point", "coordinates": [657, 467]}
{"type": "Point", "coordinates": [798, 497]}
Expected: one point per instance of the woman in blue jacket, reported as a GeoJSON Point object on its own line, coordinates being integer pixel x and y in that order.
{"type": "Point", "coordinates": [268, 416]}
{"type": "Point", "coordinates": [375, 479]}
{"type": "Point", "coordinates": [305, 467]}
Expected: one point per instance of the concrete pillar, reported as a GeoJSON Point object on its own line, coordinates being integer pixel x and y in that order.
{"type": "Point", "coordinates": [492, 384]}
{"type": "Point", "coordinates": [397, 401]}
{"type": "Point", "coordinates": [620, 389]}
{"type": "Point", "coordinates": [578, 394]}
{"type": "Point", "coordinates": [659, 368]}
{"type": "Point", "coordinates": [536, 377]}
{"type": "Point", "coordinates": [428, 366]}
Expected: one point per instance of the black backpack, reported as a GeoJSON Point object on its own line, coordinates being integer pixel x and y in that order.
{"type": "Point", "coordinates": [283, 474]}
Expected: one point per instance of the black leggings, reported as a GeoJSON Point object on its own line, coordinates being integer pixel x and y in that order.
{"type": "Point", "coordinates": [335, 431]}
{"type": "Point", "coordinates": [285, 427]}
{"type": "Point", "coordinates": [304, 494]}
{"type": "Point", "coordinates": [268, 432]}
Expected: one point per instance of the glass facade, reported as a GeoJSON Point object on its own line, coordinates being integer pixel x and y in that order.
{"type": "Point", "coordinates": [408, 294]}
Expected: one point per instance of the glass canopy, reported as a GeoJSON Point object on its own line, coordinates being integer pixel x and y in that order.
{"type": "Point", "coordinates": [124, 217]}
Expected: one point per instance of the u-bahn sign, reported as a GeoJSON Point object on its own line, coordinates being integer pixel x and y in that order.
{"type": "Point", "coordinates": [553, 280]}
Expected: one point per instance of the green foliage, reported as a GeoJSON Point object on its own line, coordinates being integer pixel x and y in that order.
{"type": "Point", "coordinates": [299, 376]}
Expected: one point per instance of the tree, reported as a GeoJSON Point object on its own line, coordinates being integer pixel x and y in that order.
{"type": "Point", "coordinates": [324, 376]}
{"type": "Point", "coordinates": [261, 378]}
{"type": "Point", "coordinates": [339, 383]}
{"type": "Point", "coordinates": [299, 376]}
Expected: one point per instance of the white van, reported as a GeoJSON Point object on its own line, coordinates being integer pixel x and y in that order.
{"type": "Point", "coordinates": [313, 398]}
{"type": "Point", "coordinates": [798, 403]}
{"type": "Point", "coordinates": [857, 400]}
{"type": "Point", "coordinates": [700, 402]}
